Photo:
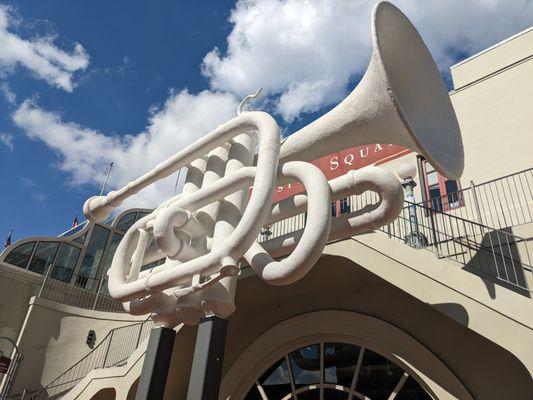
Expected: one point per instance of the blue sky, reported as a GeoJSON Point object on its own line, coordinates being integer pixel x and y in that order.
{"type": "Point", "coordinates": [85, 83]}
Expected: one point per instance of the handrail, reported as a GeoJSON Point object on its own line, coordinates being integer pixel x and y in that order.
{"type": "Point", "coordinates": [500, 203]}
{"type": "Point", "coordinates": [481, 249]}
{"type": "Point", "coordinates": [113, 350]}
{"type": "Point", "coordinates": [84, 292]}
{"type": "Point", "coordinates": [499, 255]}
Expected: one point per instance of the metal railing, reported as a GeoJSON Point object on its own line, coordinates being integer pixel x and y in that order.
{"type": "Point", "coordinates": [492, 253]}
{"type": "Point", "coordinates": [10, 354]}
{"type": "Point", "coordinates": [84, 292]}
{"type": "Point", "coordinates": [113, 351]}
{"type": "Point", "coordinates": [499, 203]}
{"type": "Point", "coordinates": [496, 254]}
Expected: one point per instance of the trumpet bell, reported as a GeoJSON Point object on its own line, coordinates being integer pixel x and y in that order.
{"type": "Point", "coordinates": [400, 100]}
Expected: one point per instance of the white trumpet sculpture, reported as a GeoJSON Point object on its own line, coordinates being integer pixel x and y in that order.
{"type": "Point", "coordinates": [209, 230]}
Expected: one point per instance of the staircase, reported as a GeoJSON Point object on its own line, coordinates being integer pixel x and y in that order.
{"type": "Point", "coordinates": [113, 351]}
{"type": "Point", "coordinates": [494, 254]}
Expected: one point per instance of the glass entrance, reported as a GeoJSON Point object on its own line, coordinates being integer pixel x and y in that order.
{"type": "Point", "coordinates": [336, 371]}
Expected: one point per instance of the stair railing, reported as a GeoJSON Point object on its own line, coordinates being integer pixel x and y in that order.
{"type": "Point", "coordinates": [494, 253]}
{"type": "Point", "coordinates": [112, 351]}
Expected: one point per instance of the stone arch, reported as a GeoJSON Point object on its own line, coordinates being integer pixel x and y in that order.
{"type": "Point", "coordinates": [342, 326]}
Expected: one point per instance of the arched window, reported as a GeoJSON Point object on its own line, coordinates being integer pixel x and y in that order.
{"type": "Point", "coordinates": [335, 371]}
{"type": "Point", "coordinates": [126, 221]}
{"type": "Point", "coordinates": [20, 255]}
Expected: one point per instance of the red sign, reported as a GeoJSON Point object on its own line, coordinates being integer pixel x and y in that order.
{"type": "Point", "coordinates": [337, 164]}
{"type": "Point", "coordinates": [4, 364]}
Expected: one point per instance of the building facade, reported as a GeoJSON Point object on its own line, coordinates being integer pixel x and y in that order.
{"type": "Point", "coordinates": [435, 305]}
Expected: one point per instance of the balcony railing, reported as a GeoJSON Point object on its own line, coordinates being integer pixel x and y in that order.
{"type": "Point", "coordinates": [499, 203]}
{"type": "Point", "coordinates": [492, 253]}
{"type": "Point", "coordinates": [88, 293]}
{"type": "Point", "coordinates": [496, 254]}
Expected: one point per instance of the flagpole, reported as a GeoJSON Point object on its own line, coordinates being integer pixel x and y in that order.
{"type": "Point", "coordinates": [106, 178]}
{"type": "Point", "coordinates": [9, 238]}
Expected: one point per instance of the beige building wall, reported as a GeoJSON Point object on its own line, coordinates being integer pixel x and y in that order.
{"type": "Point", "coordinates": [53, 338]}
{"type": "Point", "coordinates": [17, 286]}
{"type": "Point", "coordinates": [416, 299]}
{"type": "Point", "coordinates": [493, 100]}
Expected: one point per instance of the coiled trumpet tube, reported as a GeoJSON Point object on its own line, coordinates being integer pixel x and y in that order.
{"type": "Point", "coordinates": [263, 177]}
{"type": "Point", "coordinates": [401, 99]}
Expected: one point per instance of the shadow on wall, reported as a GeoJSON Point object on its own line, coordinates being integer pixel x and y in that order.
{"type": "Point", "coordinates": [34, 346]}
{"type": "Point", "coordinates": [105, 394]}
{"type": "Point", "coordinates": [454, 311]}
{"type": "Point", "coordinates": [498, 262]}
{"type": "Point", "coordinates": [338, 283]}
{"type": "Point", "coordinates": [133, 390]}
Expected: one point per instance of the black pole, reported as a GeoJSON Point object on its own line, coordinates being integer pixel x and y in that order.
{"type": "Point", "coordinates": [156, 364]}
{"type": "Point", "coordinates": [206, 370]}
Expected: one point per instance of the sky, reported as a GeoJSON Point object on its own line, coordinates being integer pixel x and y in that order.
{"type": "Point", "coordinates": [86, 83]}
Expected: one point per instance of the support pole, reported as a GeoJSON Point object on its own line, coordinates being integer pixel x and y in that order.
{"type": "Point", "coordinates": [206, 370]}
{"type": "Point", "coordinates": [156, 364]}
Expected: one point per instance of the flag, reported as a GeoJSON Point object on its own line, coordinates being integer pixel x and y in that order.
{"type": "Point", "coordinates": [75, 223]}
{"type": "Point", "coordinates": [7, 243]}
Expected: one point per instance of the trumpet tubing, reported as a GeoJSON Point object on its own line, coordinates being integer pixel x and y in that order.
{"type": "Point", "coordinates": [208, 230]}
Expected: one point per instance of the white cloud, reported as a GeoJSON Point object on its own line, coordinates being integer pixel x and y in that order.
{"type": "Point", "coordinates": [39, 55]}
{"type": "Point", "coordinates": [7, 140]}
{"type": "Point", "coordinates": [7, 93]}
{"type": "Point", "coordinates": [85, 153]}
{"type": "Point", "coordinates": [39, 197]}
{"type": "Point", "coordinates": [305, 52]}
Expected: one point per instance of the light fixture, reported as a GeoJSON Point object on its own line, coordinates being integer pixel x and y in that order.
{"type": "Point", "coordinates": [407, 170]}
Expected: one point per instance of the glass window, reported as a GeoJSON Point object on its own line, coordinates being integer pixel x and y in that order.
{"type": "Point", "coordinates": [115, 240]}
{"type": "Point", "coordinates": [94, 253]}
{"type": "Point", "coordinates": [141, 214]}
{"type": "Point", "coordinates": [65, 262]}
{"type": "Point", "coordinates": [452, 192]}
{"type": "Point", "coordinates": [432, 178]}
{"type": "Point", "coordinates": [43, 256]}
{"type": "Point", "coordinates": [339, 363]}
{"type": "Point", "coordinates": [254, 394]}
{"type": "Point", "coordinates": [435, 199]}
{"type": "Point", "coordinates": [81, 239]}
{"type": "Point", "coordinates": [411, 390]}
{"type": "Point", "coordinates": [378, 376]}
{"type": "Point", "coordinates": [441, 194]}
{"type": "Point", "coordinates": [345, 205]}
{"type": "Point", "coordinates": [305, 364]}
{"type": "Point", "coordinates": [126, 221]}
{"type": "Point", "coordinates": [20, 255]}
{"type": "Point", "coordinates": [275, 381]}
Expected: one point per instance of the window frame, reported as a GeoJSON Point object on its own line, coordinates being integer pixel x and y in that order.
{"type": "Point", "coordinates": [444, 203]}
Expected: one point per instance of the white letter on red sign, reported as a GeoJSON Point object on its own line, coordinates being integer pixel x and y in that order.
{"type": "Point", "coordinates": [334, 163]}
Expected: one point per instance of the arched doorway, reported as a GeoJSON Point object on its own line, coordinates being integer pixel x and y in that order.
{"type": "Point", "coordinates": [338, 355]}
{"type": "Point", "coordinates": [335, 371]}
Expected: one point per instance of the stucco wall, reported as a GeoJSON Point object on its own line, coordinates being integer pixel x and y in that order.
{"type": "Point", "coordinates": [495, 114]}
{"type": "Point", "coordinates": [337, 283]}
{"type": "Point", "coordinates": [16, 288]}
{"type": "Point", "coordinates": [54, 337]}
